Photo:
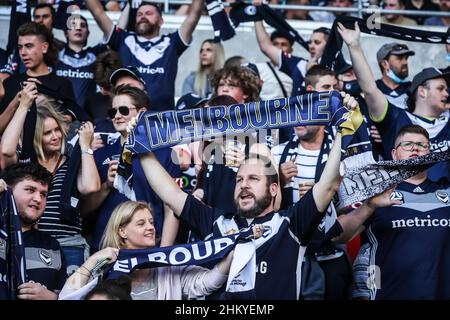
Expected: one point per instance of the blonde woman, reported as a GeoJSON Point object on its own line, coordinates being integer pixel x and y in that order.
{"type": "Point", "coordinates": [61, 219]}
{"type": "Point", "coordinates": [131, 227]}
{"type": "Point", "coordinates": [212, 58]}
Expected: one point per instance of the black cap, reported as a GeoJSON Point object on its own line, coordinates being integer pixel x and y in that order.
{"type": "Point", "coordinates": [343, 67]}
{"type": "Point", "coordinates": [253, 68]}
{"type": "Point", "coordinates": [129, 71]}
{"type": "Point", "coordinates": [189, 101]}
{"type": "Point", "coordinates": [427, 74]}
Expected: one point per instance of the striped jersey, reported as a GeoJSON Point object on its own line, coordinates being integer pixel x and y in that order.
{"type": "Point", "coordinates": [51, 222]}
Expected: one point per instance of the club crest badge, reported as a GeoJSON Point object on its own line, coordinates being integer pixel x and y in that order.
{"type": "Point", "coordinates": [397, 195]}
{"type": "Point", "coordinates": [443, 196]}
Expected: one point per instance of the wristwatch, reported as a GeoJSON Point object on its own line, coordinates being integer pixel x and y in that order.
{"type": "Point", "coordinates": [88, 151]}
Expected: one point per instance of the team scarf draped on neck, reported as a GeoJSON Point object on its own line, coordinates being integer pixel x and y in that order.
{"type": "Point", "coordinates": [332, 56]}
{"type": "Point", "coordinates": [223, 30]}
{"type": "Point", "coordinates": [242, 275]}
{"type": "Point", "coordinates": [243, 12]}
{"type": "Point", "coordinates": [12, 252]}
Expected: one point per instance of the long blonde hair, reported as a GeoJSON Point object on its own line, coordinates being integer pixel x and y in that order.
{"type": "Point", "coordinates": [44, 111]}
{"type": "Point", "coordinates": [201, 77]}
{"type": "Point", "coordinates": [120, 217]}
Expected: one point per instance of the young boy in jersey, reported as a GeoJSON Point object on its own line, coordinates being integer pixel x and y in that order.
{"type": "Point", "coordinates": [46, 267]}
{"type": "Point", "coordinates": [407, 230]}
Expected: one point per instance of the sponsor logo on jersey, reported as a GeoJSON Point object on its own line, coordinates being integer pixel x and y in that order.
{"type": "Point", "coordinates": [443, 197]}
{"type": "Point", "coordinates": [418, 190]}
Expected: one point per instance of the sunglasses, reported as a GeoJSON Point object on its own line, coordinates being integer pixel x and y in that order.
{"type": "Point", "coordinates": [123, 110]}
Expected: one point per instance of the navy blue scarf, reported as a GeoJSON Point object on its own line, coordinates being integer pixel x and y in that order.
{"type": "Point", "coordinates": [332, 56]}
{"type": "Point", "coordinates": [205, 253]}
{"type": "Point", "coordinates": [243, 12]}
{"type": "Point", "coordinates": [168, 128]}
{"type": "Point", "coordinates": [223, 30]}
{"type": "Point", "coordinates": [12, 252]}
{"type": "Point", "coordinates": [63, 15]}
{"type": "Point", "coordinates": [20, 13]}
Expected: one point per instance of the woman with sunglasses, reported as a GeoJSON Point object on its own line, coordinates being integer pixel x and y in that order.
{"type": "Point", "coordinates": [127, 102]}
{"type": "Point", "coordinates": [61, 219]}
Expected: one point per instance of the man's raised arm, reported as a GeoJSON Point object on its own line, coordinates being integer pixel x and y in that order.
{"type": "Point", "coordinates": [266, 45]}
{"type": "Point", "coordinates": [99, 14]}
{"type": "Point", "coordinates": [189, 24]}
{"type": "Point", "coordinates": [376, 101]}
{"type": "Point", "coordinates": [162, 183]}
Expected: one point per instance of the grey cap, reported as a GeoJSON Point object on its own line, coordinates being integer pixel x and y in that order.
{"type": "Point", "coordinates": [393, 48]}
{"type": "Point", "coordinates": [427, 74]}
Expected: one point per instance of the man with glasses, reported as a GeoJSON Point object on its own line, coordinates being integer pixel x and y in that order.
{"type": "Point", "coordinates": [427, 104]}
{"type": "Point", "coordinates": [407, 231]}
{"type": "Point", "coordinates": [393, 62]}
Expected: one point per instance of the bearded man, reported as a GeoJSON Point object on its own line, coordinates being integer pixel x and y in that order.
{"type": "Point", "coordinates": [156, 56]}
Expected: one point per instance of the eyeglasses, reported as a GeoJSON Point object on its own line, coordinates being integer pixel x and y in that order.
{"type": "Point", "coordinates": [409, 145]}
{"type": "Point", "coordinates": [123, 110]}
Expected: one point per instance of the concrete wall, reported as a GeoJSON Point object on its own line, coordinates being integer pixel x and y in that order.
{"type": "Point", "coordinates": [244, 43]}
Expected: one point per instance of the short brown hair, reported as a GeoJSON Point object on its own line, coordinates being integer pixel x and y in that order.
{"type": "Point", "coordinates": [315, 73]}
{"type": "Point", "coordinates": [39, 30]}
{"type": "Point", "coordinates": [412, 128]}
{"type": "Point", "coordinates": [105, 64]}
{"type": "Point", "coordinates": [137, 96]}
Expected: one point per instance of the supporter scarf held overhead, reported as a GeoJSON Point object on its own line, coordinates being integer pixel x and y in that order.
{"type": "Point", "coordinates": [223, 30]}
{"type": "Point", "coordinates": [168, 128]}
{"type": "Point", "coordinates": [244, 12]}
{"type": "Point", "coordinates": [332, 56]}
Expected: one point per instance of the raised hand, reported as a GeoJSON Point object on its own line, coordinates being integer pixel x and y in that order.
{"type": "Point", "coordinates": [350, 37]}
{"type": "Point", "coordinates": [383, 200]}
{"type": "Point", "coordinates": [350, 102]}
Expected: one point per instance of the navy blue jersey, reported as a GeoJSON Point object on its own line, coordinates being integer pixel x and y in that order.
{"type": "Point", "coordinates": [44, 260]}
{"type": "Point", "coordinates": [398, 96]}
{"type": "Point", "coordinates": [140, 186]}
{"type": "Point", "coordinates": [277, 259]}
{"type": "Point", "coordinates": [156, 60]}
{"type": "Point", "coordinates": [410, 244]}
{"type": "Point", "coordinates": [438, 129]}
{"type": "Point", "coordinates": [294, 67]}
{"type": "Point", "coordinates": [77, 67]}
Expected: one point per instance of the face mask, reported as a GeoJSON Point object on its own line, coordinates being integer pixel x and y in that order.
{"type": "Point", "coordinates": [352, 88]}
{"type": "Point", "coordinates": [395, 78]}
